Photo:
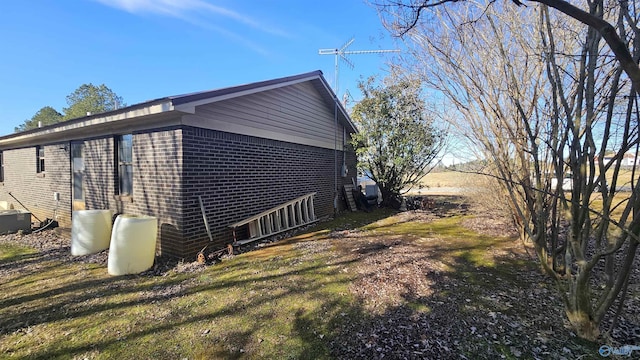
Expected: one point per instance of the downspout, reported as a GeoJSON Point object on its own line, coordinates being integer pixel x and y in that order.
{"type": "Point", "coordinates": [335, 156]}
{"type": "Point", "coordinates": [335, 142]}
{"type": "Point", "coordinates": [345, 169]}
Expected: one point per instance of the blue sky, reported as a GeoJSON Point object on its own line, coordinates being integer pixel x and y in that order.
{"type": "Point", "coordinates": [146, 49]}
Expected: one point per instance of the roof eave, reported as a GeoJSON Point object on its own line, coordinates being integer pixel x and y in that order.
{"type": "Point", "coordinates": [178, 104]}
{"type": "Point", "coordinates": [52, 132]}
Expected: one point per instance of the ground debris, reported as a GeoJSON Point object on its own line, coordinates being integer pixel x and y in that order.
{"type": "Point", "coordinates": [55, 245]}
{"type": "Point", "coordinates": [417, 303]}
{"type": "Point", "coordinates": [414, 301]}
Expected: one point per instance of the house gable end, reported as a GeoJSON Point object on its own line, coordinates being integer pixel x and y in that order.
{"type": "Point", "coordinates": [303, 116]}
{"type": "Point", "coordinates": [297, 113]}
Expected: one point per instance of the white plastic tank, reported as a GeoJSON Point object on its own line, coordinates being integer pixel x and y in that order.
{"type": "Point", "coordinates": [90, 231]}
{"type": "Point", "coordinates": [5, 205]}
{"type": "Point", "coordinates": [133, 244]}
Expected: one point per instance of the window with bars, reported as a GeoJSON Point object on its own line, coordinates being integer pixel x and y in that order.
{"type": "Point", "coordinates": [124, 159]}
{"type": "Point", "coordinates": [77, 169]}
{"type": "Point", "coordinates": [39, 159]}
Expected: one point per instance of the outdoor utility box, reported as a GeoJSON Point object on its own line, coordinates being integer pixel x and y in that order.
{"type": "Point", "coordinates": [12, 221]}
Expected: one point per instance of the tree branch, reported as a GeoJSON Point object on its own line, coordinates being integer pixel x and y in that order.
{"type": "Point", "coordinates": [607, 31]}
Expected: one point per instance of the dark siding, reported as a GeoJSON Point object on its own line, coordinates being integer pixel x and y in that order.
{"type": "Point", "coordinates": [99, 174]}
{"type": "Point", "coordinates": [296, 114]}
{"type": "Point", "coordinates": [237, 176]}
{"type": "Point", "coordinates": [157, 185]}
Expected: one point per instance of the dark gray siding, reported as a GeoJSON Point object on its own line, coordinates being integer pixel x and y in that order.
{"type": "Point", "coordinates": [157, 182]}
{"type": "Point", "coordinates": [243, 155]}
{"type": "Point", "coordinates": [296, 114]}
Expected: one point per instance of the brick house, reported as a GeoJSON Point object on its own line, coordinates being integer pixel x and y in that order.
{"type": "Point", "coordinates": [242, 150]}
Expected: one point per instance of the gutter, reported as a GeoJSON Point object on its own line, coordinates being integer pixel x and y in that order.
{"type": "Point", "coordinates": [64, 130]}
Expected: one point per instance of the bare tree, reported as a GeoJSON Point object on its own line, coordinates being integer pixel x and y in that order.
{"type": "Point", "coordinates": [410, 11]}
{"type": "Point", "coordinates": [543, 98]}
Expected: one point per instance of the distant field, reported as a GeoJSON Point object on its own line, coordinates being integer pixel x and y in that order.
{"type": "Point", "coordinates": [624, 178]}
{"type": "Point", "coordinates": [451, 179]}
{"type": "Point", "coordinates": [462, 180]}
{"type": "Point", "coordinates": [448, 183]}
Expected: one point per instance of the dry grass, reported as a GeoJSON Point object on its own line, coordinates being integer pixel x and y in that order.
{"type": "Point", "coordinates": [447, 178]}
{"type": "Point", "coordinates": [254, 304]}
{"type": "Point", "coordinates": [624, 177]}
{"type": "Point", "coordinates": [452, 179]}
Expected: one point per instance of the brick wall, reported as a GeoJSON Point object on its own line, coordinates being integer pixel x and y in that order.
{"type": "Point", "coordinates": [157, 185]}
{"type": "Point", "coordinates": [99, 178]}
{"type": "Point", "coordinates": [238, 176]}
{"type": "Point", "coordinates": [35, 190]}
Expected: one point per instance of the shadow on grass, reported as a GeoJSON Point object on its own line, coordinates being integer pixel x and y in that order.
{"type": "Point", "coordinates": [353, 220]}
{"type": "Point", "coordinates": [472, 306]}
{"type": "Point", "coordinates": [301, 298]}
{"type": "Point", "coordinates": [21, 256]}
{"type": "Point", "coordinates": [10, 259]}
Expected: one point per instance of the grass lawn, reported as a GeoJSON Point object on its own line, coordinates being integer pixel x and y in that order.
{"type": "Point", "coordinates": [361, 286]}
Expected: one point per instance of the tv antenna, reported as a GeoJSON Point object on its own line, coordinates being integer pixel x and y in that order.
{"type": "Point", "coordinates": [346, 97]}
{"type": "Point", "coordinates": [342, 53]}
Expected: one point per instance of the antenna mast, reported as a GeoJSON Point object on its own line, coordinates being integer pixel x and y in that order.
{"type": "Point", "coordinates": [342, 53]}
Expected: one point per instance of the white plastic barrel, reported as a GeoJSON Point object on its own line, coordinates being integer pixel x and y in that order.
{"type": "Point", "coordinates": [133, 244]}
{"type": "Point", "coordinates": [90, 231]}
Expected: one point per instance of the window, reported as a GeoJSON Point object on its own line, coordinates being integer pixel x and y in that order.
{"type": "Point", "coordinates": [1, 167]}
{"type": "Point", "coordinates": [124, 159]}
{"type": "Point", "coordinates": [77, 168]}
{"type": "Point", "coordinates": [39, 159]}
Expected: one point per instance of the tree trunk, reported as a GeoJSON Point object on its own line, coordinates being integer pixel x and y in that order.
{"type": "Point", "coordinates": [584, 324]}
{"type": "Point", "coordinates": [389, 199]}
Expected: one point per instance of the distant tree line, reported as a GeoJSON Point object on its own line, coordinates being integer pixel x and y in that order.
{"type": "Point", "coordinates": [88, 98]}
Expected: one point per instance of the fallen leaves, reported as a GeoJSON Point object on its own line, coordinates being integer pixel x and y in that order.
{"type": "Point", "coordinates": [426, 300]}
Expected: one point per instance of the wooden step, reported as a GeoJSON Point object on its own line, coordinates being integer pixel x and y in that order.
{"type": "Point", "coordinates": [348, 194]}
